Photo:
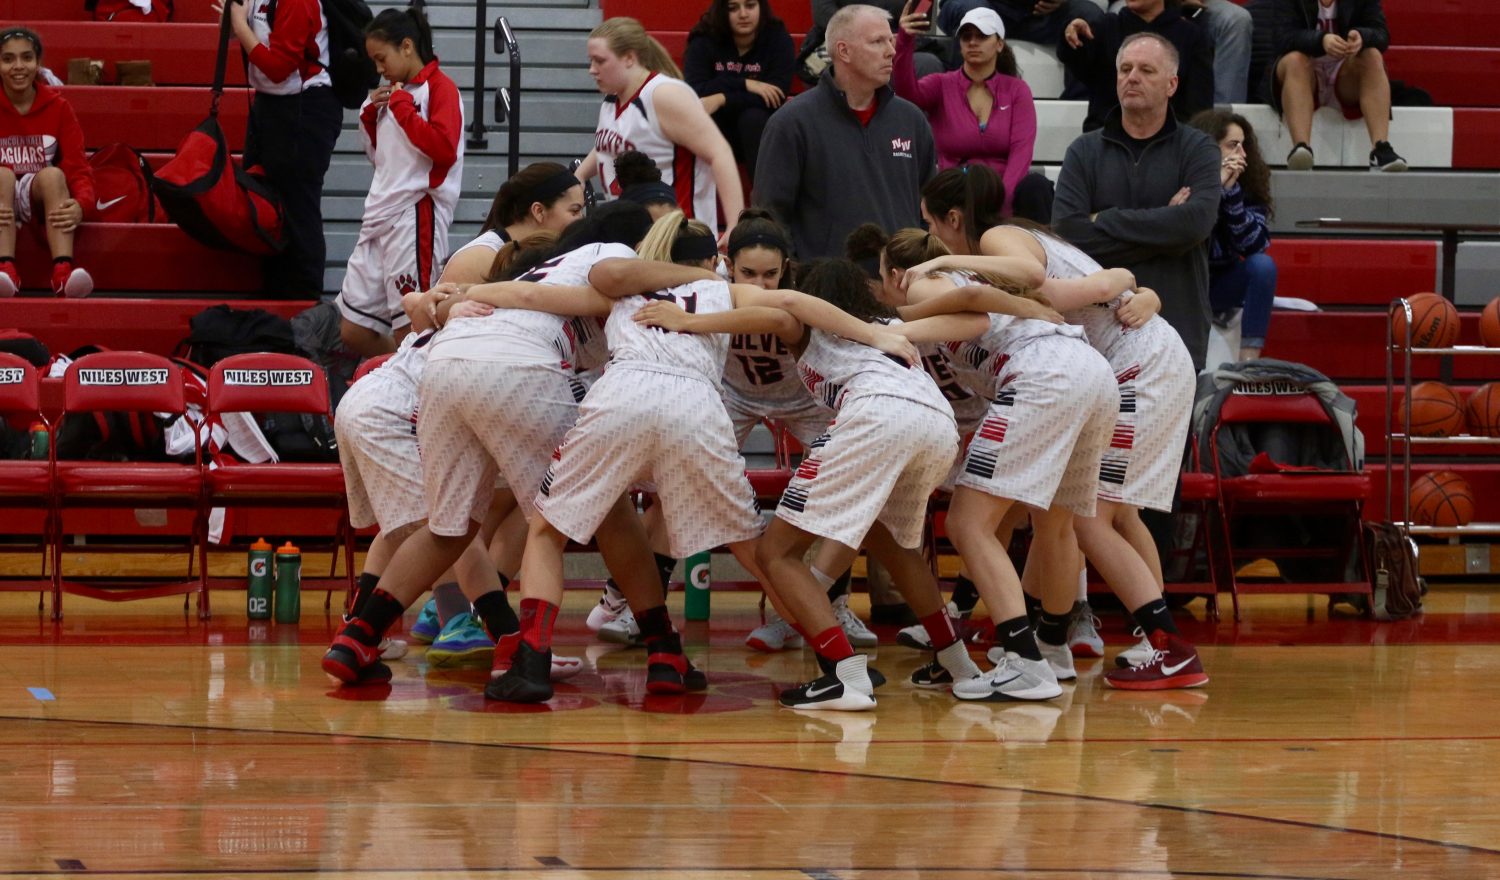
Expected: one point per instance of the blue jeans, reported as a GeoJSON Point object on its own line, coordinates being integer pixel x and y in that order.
{"type": "Point", "coordinates": [1250, 285]}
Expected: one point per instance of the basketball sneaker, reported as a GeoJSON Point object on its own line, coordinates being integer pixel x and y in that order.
{"type": "Point", "coordinates": [10, 279]}
{"type": "Point", "coordinates": [1013, 678]}
{"type": "Point", "coordinates": [1060, 658]}
{"type": "Point", "coordinates": [71, 282]}
{"type": "Point", "coordinates": [1136, 654]}
{"type": "Point", "coordinates": [917, 637]}
{"type": "Point", "coordinates": [951, 663]}
{"type": "Point", "coordinates": [1384, 158]}
{"type": "Point", "coordinates": [392, 649]}
{"type": "Point", "coordinates": [1173, 663]}
{"type": "Point", "coordinates": [846, 689]}
{"type": "Point", "coordinates": [427, 627]}
{"type": "Point", "coordinates": [463, 642]}
{"type": "Point", "coordinates": [858, 634]}
{"type": "Point", "coordinates": [528, 680]}
{"type": "Point", "coordinates": [1083, 633]}
{"type": "Point", "coordinates": [354, 654]}
{"type": "Point", "coordinates": [668, 670]}
{"type": "Point", "coordinates": [563, 668]}
{"type": "Point", "coordinates": [622, 630]}
{"type": "Point", "coordinates": [827, 667]}
{"type": "Point", "coordinates": [611, 605]}
{"type": "Point", "coordinates": [774, 635]}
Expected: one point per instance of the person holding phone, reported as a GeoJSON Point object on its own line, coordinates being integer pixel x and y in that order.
{"type": "Point", "coordinates": [1035, 21]}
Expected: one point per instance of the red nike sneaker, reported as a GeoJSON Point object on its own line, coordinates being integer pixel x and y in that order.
{"type": "Point", "coordinates": [1173, 664]}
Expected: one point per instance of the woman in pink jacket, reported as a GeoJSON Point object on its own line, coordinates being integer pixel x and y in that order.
{"type": "Point", "coordinates": [982, 112]}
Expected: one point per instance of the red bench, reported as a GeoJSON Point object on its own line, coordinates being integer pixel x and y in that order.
{"type": "Point", "coordinates": [34, 11]}
{"type": "Point", "coordinates": [180, 54]}
{"type": "Point", "coordinates": [1350, 272]}
{"type": "Point", "coordinates": [148, 258]}
{"type": "Point", "coordinates": [1442, 23]}
{"type": "Point", "coordinates": [1351, 346]}
{"type": "Point", "coordinates": [153, 118]}
{"type": "Point", "coordinates": [1476, 137]}
{"type": "Point", "coordinates": [1455, 77]}
{"type": "Point", "coordinates": [151, 325]}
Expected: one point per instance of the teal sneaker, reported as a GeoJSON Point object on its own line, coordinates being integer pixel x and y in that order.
{"type": "Point", "coordinates": [463, 642]}
{"type": "Point", "coordinates": [427, 626]}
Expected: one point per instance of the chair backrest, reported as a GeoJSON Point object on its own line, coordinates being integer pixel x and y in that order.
{"type": "Point", "coordinates": [1287, 422]}
{"type": "Point", "coordinates": [123, 381]}
{"type": "Point", "coordinates": [267, 382]}
{"type": "Point", "coordinates": [369, 366]}
{"type": "Point", "coordinates": [1302, 408]}
{"type": "Point", "coordinates": [20, 389]}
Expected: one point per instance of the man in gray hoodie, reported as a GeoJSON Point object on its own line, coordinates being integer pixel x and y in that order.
{"type": "Point", "coordinates": [1142, 193]}
{"type": "Point", "coordinates": [849, 151]}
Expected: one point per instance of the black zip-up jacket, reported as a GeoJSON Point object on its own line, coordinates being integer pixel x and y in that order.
{"type": "Point", "coordinates": [714, 68]}
{"type": "Point", "coordinates": [1294, 28]}
{"type": "Point", "coordinates": [1166, 246]}
{"type": "Point", "coordinates": [1093, 63]}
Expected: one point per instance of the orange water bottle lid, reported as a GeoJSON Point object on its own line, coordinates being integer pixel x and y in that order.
{"type": "Point", "coordinates": [288, 549]}
{"type": "Point", "coordinates": [38, 426]}
{"type": "Point", "coordinates": [260, 545]}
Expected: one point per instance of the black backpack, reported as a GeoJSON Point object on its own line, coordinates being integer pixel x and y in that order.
{"type": "Point", "coordinates": [220, 331]}
{"type": "Point", "coordinates": [299, 437]}
{"type": "Point", "coordinates": [352, 71]}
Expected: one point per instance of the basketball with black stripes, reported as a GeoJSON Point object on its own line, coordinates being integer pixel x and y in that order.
{"type": "Point", "coordinates": [1483, 410]}
{"type": "Point", "coordinates": [1489, 324]}
{"type": "Point", "coordinates": [1436, 411]}
{"type": "Point", "coordinates": [1434, 322]}
{"type": "Point", "coordinates": [1441, 498]}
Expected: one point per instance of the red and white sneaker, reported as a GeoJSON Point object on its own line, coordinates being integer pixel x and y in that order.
{"type": "Point", "coordinates": [1173, 663]}
{"type": "Point", "coordinates": [10, 279]}
{"type": "Point", "coordinates": [563, 668]}
{"type": "Point", "coordinates": [71, 282]}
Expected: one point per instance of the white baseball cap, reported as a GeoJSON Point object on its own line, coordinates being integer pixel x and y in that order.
{"type": "Point", "coordinates": [986, 19]}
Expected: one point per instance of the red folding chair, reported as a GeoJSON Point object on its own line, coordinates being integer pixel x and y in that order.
{"type": "Point", "coordinates": [1334, 494]}
{"type": "Point", "coordinates": [769, 483]}
{"type": "Point", "coordinates": [277, 383]}
{"type": "Point", "coordinates": [369, 366]}
{"type": "Point", "coordinates": [1198, 496]}
{"type": "Point", "coordinates": [26, 484]}
{"type": "Point", "coordinates": [131, 382]}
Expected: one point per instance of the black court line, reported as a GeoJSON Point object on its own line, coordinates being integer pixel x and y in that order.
{"type": "Point", "coordinates": [815, 874]}
{"type": "Point", "coordinates": [740, 765]}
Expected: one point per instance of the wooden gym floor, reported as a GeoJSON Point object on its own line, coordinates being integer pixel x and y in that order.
{"type": "Point", "coordinates": [135, 742]}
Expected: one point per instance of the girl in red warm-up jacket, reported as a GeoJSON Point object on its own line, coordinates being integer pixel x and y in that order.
{"type": "Point", "coordinates": [294, 123]}
{"type": "Point", "coordinates": [44, 174]}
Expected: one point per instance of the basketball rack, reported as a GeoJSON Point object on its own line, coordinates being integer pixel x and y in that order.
{"type": "Point", "coordinates": [1404, 438]}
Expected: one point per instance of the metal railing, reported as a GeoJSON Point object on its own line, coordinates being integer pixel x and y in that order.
{"type": "Point", "coordinates": [477, 140]}
{"type": "Point", "coordinates": [508, 99]}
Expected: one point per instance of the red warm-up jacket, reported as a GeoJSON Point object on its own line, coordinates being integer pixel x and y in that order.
{"type": "Point", "coordinates": [48, 135]}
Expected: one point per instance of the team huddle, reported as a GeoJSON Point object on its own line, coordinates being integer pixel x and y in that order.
{"type": "Point", "coordinates": [553, 377]}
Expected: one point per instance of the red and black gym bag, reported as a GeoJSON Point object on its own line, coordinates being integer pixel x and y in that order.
{"type": "Point", "coordinates": [205, 191]}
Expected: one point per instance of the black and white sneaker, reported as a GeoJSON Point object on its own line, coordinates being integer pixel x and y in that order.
{"type": "Point", "coordinates": [848, 689]}
{"type": "Point", "coordinates": [877, 678]}
{"type": "Point", "coordinates": [1300, 158]}
{"type": "Point", "coordinates": [528, 680]}
{"type": "Point", "coordinates": [1384, 158]}
{"type": "Point", "coordinates": [933, 676]}
{"type": "Point", "coordinates": [1013, 678]}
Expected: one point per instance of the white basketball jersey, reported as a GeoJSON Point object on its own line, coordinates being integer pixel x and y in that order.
{"type": "Point", "coordinates": [761, 368]}
{"type": "Point", "coordinates": [684, 354]}
{"type": "Point", "coordinates": [634, 125]}
{"type": "Point", "coordinates": [978, 361]}
{"type": "Point", "coordinates": [519, 336]}
{"type": "Point", "coordinates": [1098, 320]}
{"type": "Point", "coordinates": [836, 370]}
{"type": "Point", "coordinates": [406, 365]}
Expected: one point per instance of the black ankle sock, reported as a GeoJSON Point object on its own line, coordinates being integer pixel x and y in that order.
{"type": "Point", "coordinates": [57, 260]}
{"type": "Point", "coordinates": [451, 602]}
{"type": "Point", "coordinates": [1154, 615]}
{"type": "Point", "coordinates": [1033, 606]}
{"type": "Point", "coordinates": [1053, 628]}
{"type": "Point", "coordinates": [363, 587]}
{"type": "Point", "coordinates": [1016, 636]}
{"type": "Point", "coordinates": [665, 565]}
{"type": "Point", "coordinates": [655, 623]}
{"type": "Point", "coordinates": [380, 611]}
{"type": "Point", "coordinates": [496, 614]}
{"type": "Point", "coordinates": [504, 581]}
{"type": "Point", "coordinates": [840, 585]}
{"type": "Point", "coordinates": [965, 594]}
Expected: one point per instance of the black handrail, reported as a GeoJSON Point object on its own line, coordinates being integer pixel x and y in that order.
{"type": "Point", "coordinates": [477, 140]}
{"type": "Point", "coordinates": [508, 100]}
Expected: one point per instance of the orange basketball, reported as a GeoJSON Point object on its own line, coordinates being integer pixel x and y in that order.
{"type": "Point", "coordinates": [1434, 322]}
{"type": "Point", "coordinates": [1441, 498]}
{"type": "Point", "coordinates": [1483, 410]}
{"type": "Point", "coordinates": [1489, 324]}
{"type": "Point", "coordinates": [1436, 411]}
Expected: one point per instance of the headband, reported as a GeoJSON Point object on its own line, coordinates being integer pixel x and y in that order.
{"type": "Point", "coordinates": [552, 187]}
{"type": "Point", "coordinates": [772, 240]}
{"type": "Point", "coordinates": [649, 192]}
{"type": "Point", "coordinates": [694, 247]}
{"type": "Point", "coordinates": [25, 34]}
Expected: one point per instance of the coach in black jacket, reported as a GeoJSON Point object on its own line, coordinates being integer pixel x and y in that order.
{"type": "Point", "coordinates": [1338, 63]}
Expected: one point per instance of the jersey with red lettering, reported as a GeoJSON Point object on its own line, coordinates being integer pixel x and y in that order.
{"type": "Point", "coordinates": [635, 124]}
{"type": "Point", "coordinates": [837, 370]}
{"type": "Point", "coordinates": [686, 354]}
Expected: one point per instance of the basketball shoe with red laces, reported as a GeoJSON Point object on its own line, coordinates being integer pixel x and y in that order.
{"type": "Point", "coordinates": [354, 656]}
{"type": "Point", "coordinates": [668, 670]}
{"type": "Point", "coordinates": [1173, 663]}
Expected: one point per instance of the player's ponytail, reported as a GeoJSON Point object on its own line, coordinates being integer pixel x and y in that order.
{"type": "Point", "coordinates": [843, 284]}
{"type": "Point", "coordinates": [626, 35]}
{"type": "Point", "coordinates": [544, 182]}
{"type": "Point", "coordinates": [675, 239]}
{"type": "Point", "coordinates": [395, 26]}
{"type": "Point", "coordinates": [516, 258]}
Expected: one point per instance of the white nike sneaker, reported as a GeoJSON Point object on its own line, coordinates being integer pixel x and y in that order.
{"type": "Point", "coordinates": [1138, 654]}
{"type": "Point", "coordinates": [1083, 633]}
{"type": "Point", "coordinates": [846, 689]}
{"type": "Point", "coordinates": [610, 606]}
{"type": "Point", "coordinates": [858, 634]}
{"type": "Point", "coordinates": [1013, 678]}
{"type": "Point", "coordinates": [1060, 658]}
{"type": "Point", "coordinates": [774, 635]}
{"type": "Point", "coordinates": [622, 630]}
{"type": "Point", "coordinates": [7, 285]}
{"type": "Point", "coordinates": [392, 649]}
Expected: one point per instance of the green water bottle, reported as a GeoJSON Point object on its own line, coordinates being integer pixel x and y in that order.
{"type": "Point", "coordinates": [38, 442]}
{"type": "Point", "coordinates": [288, 584]}
{"type": "Point", "coordinates": [258, 602]}
{"type": "Point", "coordinates": [695, 602]}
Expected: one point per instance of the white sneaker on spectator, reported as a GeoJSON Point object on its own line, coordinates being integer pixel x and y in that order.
{"type": "Point", "coordinates": [859, 635]}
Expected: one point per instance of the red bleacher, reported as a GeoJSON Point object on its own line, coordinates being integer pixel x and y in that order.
{"type": "Point", "coordinates": [1443, 23]}
{"type": "Point", "coordinates": [1351, 272]}
{"type": "Point", "coordinates": [153, 118]}
{"type": "Point", "coordinates": [33, 11]}
{"type": "Point", "coordinates": [146, 258]}
{"type": "Point", "coordinates": [1350, 346]}
{"type": "Point", "coordinates": [1456, 77]}
{"type": "Point", "coordinates": [180, 54]}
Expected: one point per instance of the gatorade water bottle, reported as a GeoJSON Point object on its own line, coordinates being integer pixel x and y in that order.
{"type": "Point", "coordinates": [695, 600]}
{"type": "Point", "coordinates": [258, 604]}
{"type": "Point", "coordinates": [38, 442]}
{"type": "Point", "coordinates": [288, 584]}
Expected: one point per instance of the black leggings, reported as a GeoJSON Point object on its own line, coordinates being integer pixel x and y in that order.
{"type": "Point", "coordinates": [292, 138]}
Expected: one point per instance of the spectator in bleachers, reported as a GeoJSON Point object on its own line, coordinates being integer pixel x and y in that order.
{"type": "Point", "coordinates": [647, 107]}
{"type": "Point", "coordinates": [824, 167]}
{"type": "Point", "coordinates": [640, 182]}
{"type": "Point", "coordinates": [44, 175]}
{"type": "Point", "coordinates": [1232, 30]}
{"type": "Point", "coordinates": [739, 60]}
{"type": "Point", "coordinates": [1034, 21]}
{"type": "Point", "coordinates": [542, 197]}
{"type": "Point", "coordinates": [1330, 54]}
{"type": "Point", "coordinates": [1089, 52]}
{"type": "Point", "coordinates": [983, 112]}
{"type": "Point", "coordinates": [294, 125]}
{"type": "Point", "coordinates": [813, 56]}
{"type": "Point", "coordinates": [1241, 274]}
{"type": "Point", "coordinates": [412, 130]}
{"type": "Point", "coordinates": [1142, 193]}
